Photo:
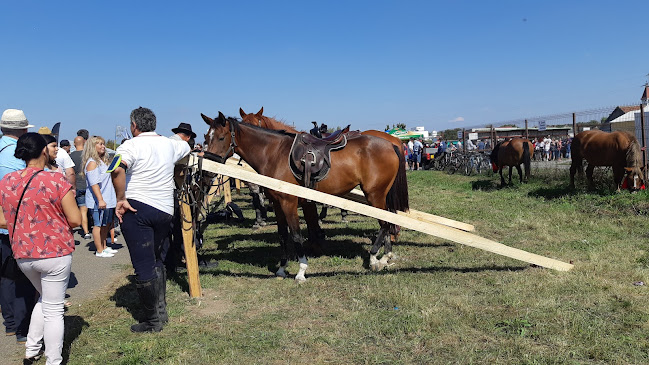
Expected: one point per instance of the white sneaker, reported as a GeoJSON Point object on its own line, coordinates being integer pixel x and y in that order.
{"type": "Point", "coordinates": [87, 236]}
{"type": "Point", "coordinates": [104, 253]}
{"type": "Point", "coordinates": [110, 250]}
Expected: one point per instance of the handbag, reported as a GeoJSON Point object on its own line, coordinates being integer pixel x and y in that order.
{"type": "Point", "coordinates": [10, 268]}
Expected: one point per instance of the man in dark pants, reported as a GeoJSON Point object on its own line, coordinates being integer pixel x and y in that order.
{"type": "Point", "coordinates": [145, 205]}
{"type": "Point", "coordinates": [17, 294]}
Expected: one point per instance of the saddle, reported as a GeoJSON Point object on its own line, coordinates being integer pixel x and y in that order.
{"type": "Point", "coordinates": [309, 158]}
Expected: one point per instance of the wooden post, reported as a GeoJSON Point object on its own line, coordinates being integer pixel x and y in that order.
{"type": "Point", "coordinates": [464, 139]}
{"type": "Point", "coordinates": [527, 132]}
{"type": "Point", "coordinates": [574, 125]}
{"type": "Point", "coordinates": [237, 184]}
{"type": "Point", "coordinates": [191, 259]}
{"type": "Point", "coordinates": [492, 133]}
{"type": "Point", "coordinates": [227, 193]}
{"type": "Point", "coordinates": [644, 144]}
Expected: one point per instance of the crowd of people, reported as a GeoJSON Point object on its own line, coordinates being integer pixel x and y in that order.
{"type": "Point", "coordinates": [48, 190]}
{"type": "Point", "coordinates": [414, 149]}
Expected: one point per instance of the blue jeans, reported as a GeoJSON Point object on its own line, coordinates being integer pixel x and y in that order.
{"type": "Point", "coordinates": [145, 232]}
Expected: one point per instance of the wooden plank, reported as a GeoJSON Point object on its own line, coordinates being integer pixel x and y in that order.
{"type": "Point", "coordinates": [438, 230]}
{"type": "Point", "coordinates": [358, 196]}
{"type": "Point", "coordinates": [237, 184]}
{"type": "Point", "coordinates": [191, 258]}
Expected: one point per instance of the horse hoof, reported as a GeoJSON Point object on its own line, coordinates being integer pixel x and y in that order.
{"type": "Point", "coordinates": [300, 279]}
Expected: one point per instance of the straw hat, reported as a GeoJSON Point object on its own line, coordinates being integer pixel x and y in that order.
{"type": "Point", "coordinates": [14, 119]}
{"type": "Point", "coordinates": [44, 130]}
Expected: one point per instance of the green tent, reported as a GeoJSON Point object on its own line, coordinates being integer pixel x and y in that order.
{"type": "Point", "coordinates": [403, 134]}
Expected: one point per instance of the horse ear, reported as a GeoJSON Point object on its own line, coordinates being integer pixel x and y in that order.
{"type": "Point", "coordinates": [242, 113]}
{"type": "Point", "coordinates": [260, 112]}
{"type": "Point", "coordinates": [207, 119]}
{"type": "Point", "coordinates": [222, 119]}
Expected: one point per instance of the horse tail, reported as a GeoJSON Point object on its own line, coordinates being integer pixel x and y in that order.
{"type": "Point", "coordinates": [633, 154]}
{"type": "Point", "coordinates": [493, 157]}
{"type": "Point", "coordinates": [527, 159]}
{"type": "Point", "coordinates": [397, 198]}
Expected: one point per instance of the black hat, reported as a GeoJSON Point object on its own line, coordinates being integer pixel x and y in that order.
{"type": "Point", "coordinates": [184, 128]}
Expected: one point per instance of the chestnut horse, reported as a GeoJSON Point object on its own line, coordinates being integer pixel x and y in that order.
{"type": "Point", "coordinates": [401, 182]}
{"type": "Point", "coordinates": [367, 161]}
{"type": "Point", "coordinates": [512, 153]}
{"type": "Point", "coordinates": [620, 150]}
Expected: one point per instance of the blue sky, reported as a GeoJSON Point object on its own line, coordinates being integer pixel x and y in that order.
{"type": "Point", "coordinates": [369, 63]}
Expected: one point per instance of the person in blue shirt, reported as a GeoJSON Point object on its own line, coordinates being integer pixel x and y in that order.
{"type": "Point", "coordinates": [17, 294]}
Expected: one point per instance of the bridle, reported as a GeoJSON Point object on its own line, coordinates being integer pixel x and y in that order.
{"type": "Point", "coordinates": [233, 145]}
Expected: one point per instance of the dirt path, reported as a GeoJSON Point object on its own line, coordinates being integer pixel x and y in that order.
{"type": "Point", "coordinates": [90, 277]}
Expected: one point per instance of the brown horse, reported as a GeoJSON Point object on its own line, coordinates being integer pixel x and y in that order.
{"type": "Point", "coordinates": [512, 153]}
{"type": "Point", "coordinates": [313, 227]}
{"type": "Point", "coordinates": [620, 150]}
{"type": "Point", "coordinates": [401, 182]}
{"type": "Point", "coordinates": [367, 161]}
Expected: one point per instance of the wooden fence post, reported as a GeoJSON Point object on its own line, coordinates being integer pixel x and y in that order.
{"type": "Point", "coordinates": [644, 144]}
{"type": "Point", "coordinates": [191, 258]}
{"type": "Point", "coordinates": [574, 125]}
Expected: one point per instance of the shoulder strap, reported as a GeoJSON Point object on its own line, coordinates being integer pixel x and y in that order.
{"type": "Point", "coordinates": [20, 201]}
{"type": "Point", "coordinates": [3, 148]}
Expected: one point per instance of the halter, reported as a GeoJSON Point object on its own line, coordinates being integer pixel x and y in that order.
{"type": "Point", "coordinates": [233, 145]}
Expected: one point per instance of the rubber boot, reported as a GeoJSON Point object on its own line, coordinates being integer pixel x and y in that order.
{"type": "Point", "coordinates": [162, 294]}
{"type": "Point", "coordinates": [148, 293]}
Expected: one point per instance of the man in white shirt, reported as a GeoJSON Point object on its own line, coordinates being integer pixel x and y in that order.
{"type": "Point", "coordinates": [144, 184]}
{"type": "Point", "coordinates": [65, 163]}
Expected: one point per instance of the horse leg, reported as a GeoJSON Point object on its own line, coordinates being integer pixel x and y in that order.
{"type": "Point", "coordinates": [618, 176]}
{"type": "Point", "coordinates": [376, 264]}
{"type": "Point", "coordinates": [502, 179]}
{"type": "Point", "coordinates": [289, 206]}
{"type": "Point", "coordinates": [282, 229]}
{"type": "Point", "coordinates": [315, 233]}
{"type": "Point", "coordinates": [573, 170]}
{"type": "Point", "coordinates": [589, 176]}
{"type": "Point", "coordinates": [510, 174]}
{"type": "Point", "coordinates": [520, 173]}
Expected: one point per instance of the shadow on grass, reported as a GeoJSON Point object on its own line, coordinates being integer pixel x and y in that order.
{"type": "Point", "coordinates": [126, 297]}
{"type": "Point", "coordinates": [485, 185]}
{"type": "Point", "coordinates": [74, 325]}
{"type": "Point", "coordinates": [182, 278]}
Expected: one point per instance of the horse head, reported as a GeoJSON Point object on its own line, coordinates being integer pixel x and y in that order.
{"type": "Point", "coordinates": [634, 178]}
{"type": "Point", "coordinates": [219, 139]}
{"type": "Point", "coordinates": [257, 119]}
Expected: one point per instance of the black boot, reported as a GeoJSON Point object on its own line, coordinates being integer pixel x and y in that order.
{"type": "Point", "coordinates": [162, 294]}
{"type": "Point", "coordinates": [148, 293]}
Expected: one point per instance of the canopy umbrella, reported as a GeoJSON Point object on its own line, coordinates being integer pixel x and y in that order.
{"type": "Point", "coordinates": [403, 134]}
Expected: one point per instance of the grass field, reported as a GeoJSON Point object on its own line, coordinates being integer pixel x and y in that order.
{"type": "Point", "coordinates": [441, 303]}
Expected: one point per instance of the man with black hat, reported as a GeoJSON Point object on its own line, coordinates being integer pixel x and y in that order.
{"type": "Point", "coordinates": [183, 133]}
{"type": "Point", "coordinates": [16, 292]}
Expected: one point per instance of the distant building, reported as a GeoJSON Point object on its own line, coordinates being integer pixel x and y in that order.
{"type": "Point", "coordinates": [623, 118]}
{"type": "Point", "coordinates": [422, 131]}
{"type": "Point", "coordinates": [509, 132]}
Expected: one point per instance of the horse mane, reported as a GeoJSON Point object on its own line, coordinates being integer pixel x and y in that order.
{"type": "Point", "coordinates": [633, 153]}
{"type": "Point", "coordinates": [274, 124]}
{"type": "Point", "coordinates": [236, 121]}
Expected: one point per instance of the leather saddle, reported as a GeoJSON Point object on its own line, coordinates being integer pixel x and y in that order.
{"type": "Point", "coordinates": [310, 160]}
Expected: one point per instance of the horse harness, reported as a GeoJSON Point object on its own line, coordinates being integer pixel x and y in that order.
{"type": "Point", "coordinates": [310, 159]}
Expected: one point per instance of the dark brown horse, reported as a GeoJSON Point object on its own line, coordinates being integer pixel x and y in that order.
{"type": "Point", "coordinates": [367, 161]}
{"type": "Point", "coordinates": [620, 150]}
{"type": "Point", "coordinates": [512, 153]}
